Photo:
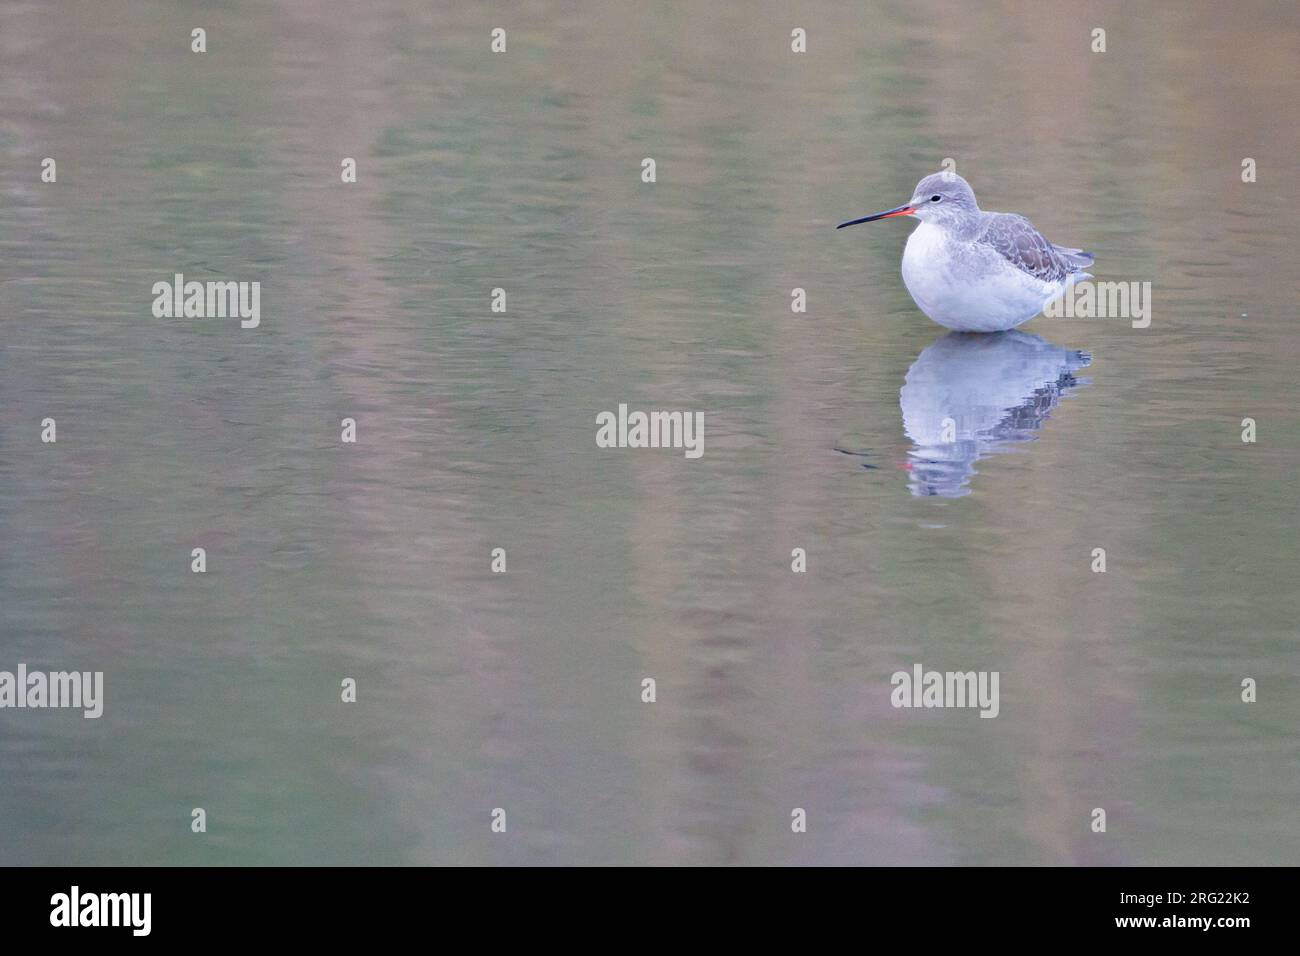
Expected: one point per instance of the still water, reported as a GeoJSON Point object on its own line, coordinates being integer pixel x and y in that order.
{"type": "Point", "coordinates": [823, 431]}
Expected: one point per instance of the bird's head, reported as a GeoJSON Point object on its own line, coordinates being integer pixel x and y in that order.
{"type": "Point", "coordinates": [940, 198]}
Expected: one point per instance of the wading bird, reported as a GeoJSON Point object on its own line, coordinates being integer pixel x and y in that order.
{"type": "Point", "coordinates": [977, 271]}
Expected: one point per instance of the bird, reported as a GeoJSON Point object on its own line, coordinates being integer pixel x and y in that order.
{"type": "Point", "coordinates": [976, 271]}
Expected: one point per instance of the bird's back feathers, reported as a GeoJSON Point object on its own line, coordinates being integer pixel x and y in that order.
{"type": "Point", "coordinates": [1016, 240]}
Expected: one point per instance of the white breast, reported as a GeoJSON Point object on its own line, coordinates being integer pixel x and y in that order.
{"type": "Point", "coordinates": [924, 270]}
{"type": "Point", "coordinates": [967, 286]}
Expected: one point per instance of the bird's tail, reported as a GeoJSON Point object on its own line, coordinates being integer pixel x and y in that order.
{"type": "Point", "coordinates": [1076, 258]}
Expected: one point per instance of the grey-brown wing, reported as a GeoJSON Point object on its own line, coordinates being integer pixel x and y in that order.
{"type": "Point", "coordinates": [1016, 240]}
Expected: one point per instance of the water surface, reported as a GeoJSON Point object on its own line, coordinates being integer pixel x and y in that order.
{"type": "Point", "coordinates": [476, 431]}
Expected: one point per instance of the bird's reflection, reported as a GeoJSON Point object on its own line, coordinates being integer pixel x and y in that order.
{"type": "Point", "coordinates": [967, 396]}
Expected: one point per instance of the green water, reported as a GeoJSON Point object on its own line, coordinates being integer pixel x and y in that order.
{"type": "Point", "coordinates": [476, 430]}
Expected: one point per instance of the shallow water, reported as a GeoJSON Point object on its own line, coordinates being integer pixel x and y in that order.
{"type": "Point", "coordinates": [476, 431]}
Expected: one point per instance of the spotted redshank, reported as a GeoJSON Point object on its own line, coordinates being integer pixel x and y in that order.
{"type": "Point", "coordinates": [977, 271]}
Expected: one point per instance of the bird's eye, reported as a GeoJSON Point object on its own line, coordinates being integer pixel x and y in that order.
{"type": "Point", "coordinates": [935, 198]}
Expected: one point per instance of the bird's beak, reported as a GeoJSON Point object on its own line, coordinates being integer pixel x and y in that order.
{"type": "Point", "coordinates": [900, 211]}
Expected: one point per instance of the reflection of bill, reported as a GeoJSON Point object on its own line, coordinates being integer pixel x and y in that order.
{"type": "Point", "coordinates": [967, 396]}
